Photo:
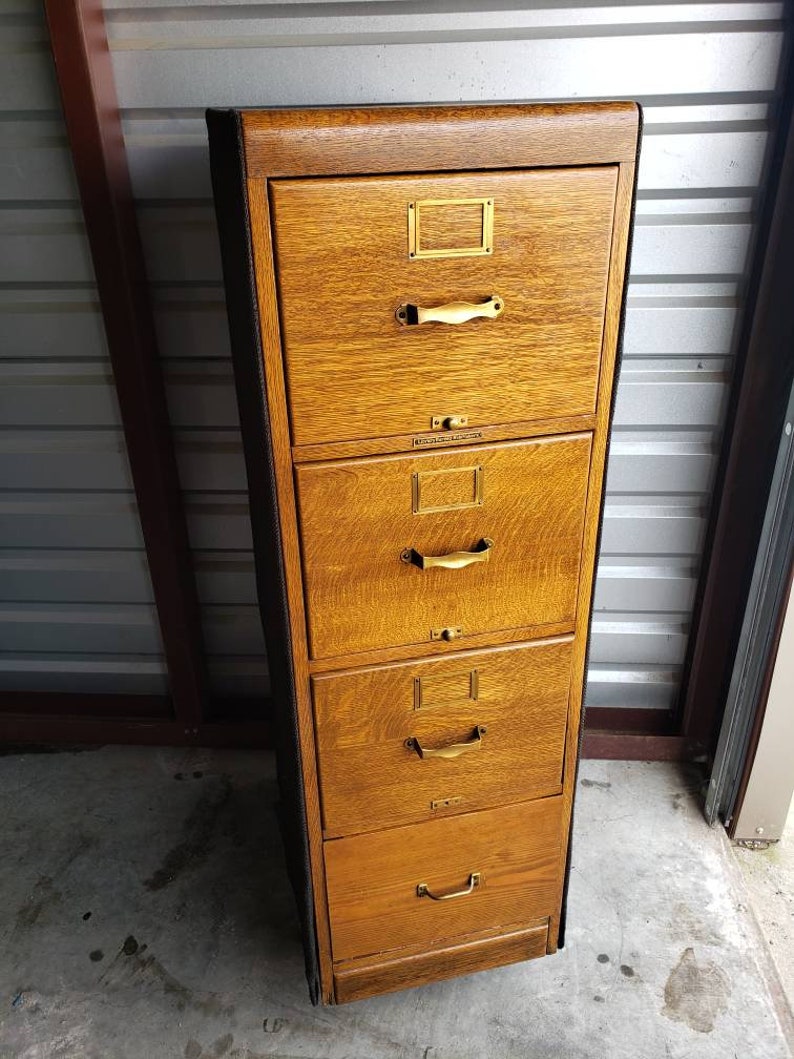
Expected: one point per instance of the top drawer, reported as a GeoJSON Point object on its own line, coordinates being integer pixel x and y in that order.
{"type": "Point", "coordinates": [538, 240]}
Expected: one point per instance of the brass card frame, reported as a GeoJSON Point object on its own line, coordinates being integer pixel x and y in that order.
{"type": "Point", "coordinates": [415, 251]}
{"type": "Point", "coordinates": [474, 691]}
{"type": "Point", "coordinates": [476, 501]}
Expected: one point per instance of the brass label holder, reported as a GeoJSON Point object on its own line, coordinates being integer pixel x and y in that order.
{"type": "Point", "coordinates": [474, 500]}
{"type": "Point", "coordinates": [416, 252]}
{"type": "Point", "coordinates": [472, 678]}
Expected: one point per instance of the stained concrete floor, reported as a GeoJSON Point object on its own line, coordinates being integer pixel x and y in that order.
{"type": "Point", "coordinates": [769, 878]}
{"type": "Point", "coordinates": [145, 914]}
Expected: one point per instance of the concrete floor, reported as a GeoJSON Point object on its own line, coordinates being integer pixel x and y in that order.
{"type": "Point", "coordinates": [769, 878]}
{"type": "Point", "coordinates": [145, 914]}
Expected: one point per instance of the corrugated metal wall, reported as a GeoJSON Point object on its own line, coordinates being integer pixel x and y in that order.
{"type": "Point", "coordinates": [706, 74]}
{"type": "Point", "coordinates": [76, 609]}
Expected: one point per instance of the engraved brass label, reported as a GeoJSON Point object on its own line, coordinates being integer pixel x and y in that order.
{"type": "Point", "coordinates": [447, 689]}
{"type": "Point", "coordinates": [429, 440]}
{"type": "Point", "coordinates": [450, 228]}
{"type": "Point", "coordinates": [450, 489]}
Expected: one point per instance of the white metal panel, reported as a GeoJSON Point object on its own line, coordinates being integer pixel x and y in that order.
{"type": "Point", "coordinates": [76, 609]}
{"type": "Point", "coordinates": [706, 75]}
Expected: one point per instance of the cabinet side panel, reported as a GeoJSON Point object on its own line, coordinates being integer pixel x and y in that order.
{"type": "Point", "coordinates": [228, 180]}
{"type": "Point", "coordinates": [610, 365]}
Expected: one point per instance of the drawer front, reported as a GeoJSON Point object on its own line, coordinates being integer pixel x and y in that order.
{"type": "Point", "coordinates": [344, 268]}
{"type": "Point", "coordinates": [500, 715]}
{"type": "Point", "coordinates": [374, 880]}
{"type": "Point", "coordinates": [356, 980]}
{"type": "Point", "coordinates": [516, 508]}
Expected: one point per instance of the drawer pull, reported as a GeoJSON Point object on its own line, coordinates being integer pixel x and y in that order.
{"type": "Point", "coordinates": [480, 553]}
{"type": "Point", "coordinates": [454, 750]}
{"type": "Point", "coordinates": [452, 313]}
{"type": "Point", "coordinates": [474, 882]}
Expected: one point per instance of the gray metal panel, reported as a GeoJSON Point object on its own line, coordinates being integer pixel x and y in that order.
{"type": "Point", "coordinates": [76, 609]}
{"type": "Point", "coordinates": [705, 73]}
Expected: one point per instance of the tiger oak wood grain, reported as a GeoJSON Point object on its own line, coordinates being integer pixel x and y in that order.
{"type": "Point", "coordinates": [403, 139]}
{"type": "Point", "coordinates": [441, 648]}
{"type": "Point", "coordinates": [372, 878]}
{"type": "Point", "coordinates": [354, 372]}
{"type": "Point", "coordinates": [340, 450]}
{"type": "Point", "coordinates": [369, 779]}
{"type": "Point", "coordinates": [348, 415]}
{"type": "Point", "coordinates": [356, 980]}
{"type": "Point", "coordinates": [360, 595]}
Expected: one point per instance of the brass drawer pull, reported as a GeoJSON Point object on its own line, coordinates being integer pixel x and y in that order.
{"type": "Point", "coordinates": [454, 750]}
{"type": "Point", "coordinates": [474, 882]}
{"type": "Point", "coordinates": [452, 313]}
{"type": "Point", "coordinates": [480, 553]}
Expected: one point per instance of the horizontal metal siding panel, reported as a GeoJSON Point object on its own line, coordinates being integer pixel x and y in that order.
{"type": "Point", "coordinates": [653, 525]}
{"type": "Point", "coordinates": [602, 67]}
{"type": "Point", "coordinates": [76, 576]}
{"type": "Point", "coordinates": [37, 165]}
{"type": "Point", "coordinates": [212, 460]}
{"type": "Point", "coordinates": [168, 158]}
{"type": "Point", "coordinates": [181, 246]}
{"type": "Point", "coordinates": [60, 460]}
{"type": "Point", "coordinates": [83, 673]}
{"type": "Point", "coordinates": [55, 324]}
{"type": "Point", "coordinates": [65, 395]}
{"type": "Point", "coordinates": [69, 520]}
{"type": "Point", "coordinates": [706, 75]}
{"type": "Point", "coordinates": [76, 609]}
{"type": "Point", "coordinates": [192, 325]}
{"type": "Point", "coordinates": [645, 584]}
{"type": "Point", "coordinates": [201, 396]}
{"type": "Point", "coordinates": [48, 628]}
{"type": "Point", "coordinates": [652, 687]}
{"type": "Point", "coordinates": [44, 246]}
{"type": "Point", "coordinates": [632, 639]}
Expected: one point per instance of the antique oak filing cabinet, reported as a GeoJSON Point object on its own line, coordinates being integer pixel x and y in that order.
{"type": "Point", "coordinates": [425, 306]}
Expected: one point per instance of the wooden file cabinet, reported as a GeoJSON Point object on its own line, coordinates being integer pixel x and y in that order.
{"type": "Point", "coordinates": [425, 307]}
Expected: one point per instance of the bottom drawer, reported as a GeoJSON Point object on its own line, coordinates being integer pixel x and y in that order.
{"type": "Point", "coordinates": [357, 979]}
{"type": "Point", "coordinates": [494, 870]}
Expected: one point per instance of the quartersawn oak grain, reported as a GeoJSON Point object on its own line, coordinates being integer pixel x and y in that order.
{"type": "Point", "coordinates": [357, 517]}
{"type": "Point", "coordinates": [369, 779]}
{"type": "Point", "coordinates": [410, 139]}
{"type": "Point", "coordinates": [372, 878]}
{"type": "Point", "coordinates": [358, 979]}
{"type": "Point", "coordinates": [354, 372]}
{"type": "Point", "coordinates": [405, 442]}
{"type": "Point", "coordinates": [370, 908]}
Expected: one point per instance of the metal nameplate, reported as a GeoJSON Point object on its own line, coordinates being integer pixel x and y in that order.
{"type": "Point", "coordinates": [428, 441]}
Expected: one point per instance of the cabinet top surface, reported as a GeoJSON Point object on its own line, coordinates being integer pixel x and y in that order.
{"type": "Point", "coordinates": [382, 139]}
